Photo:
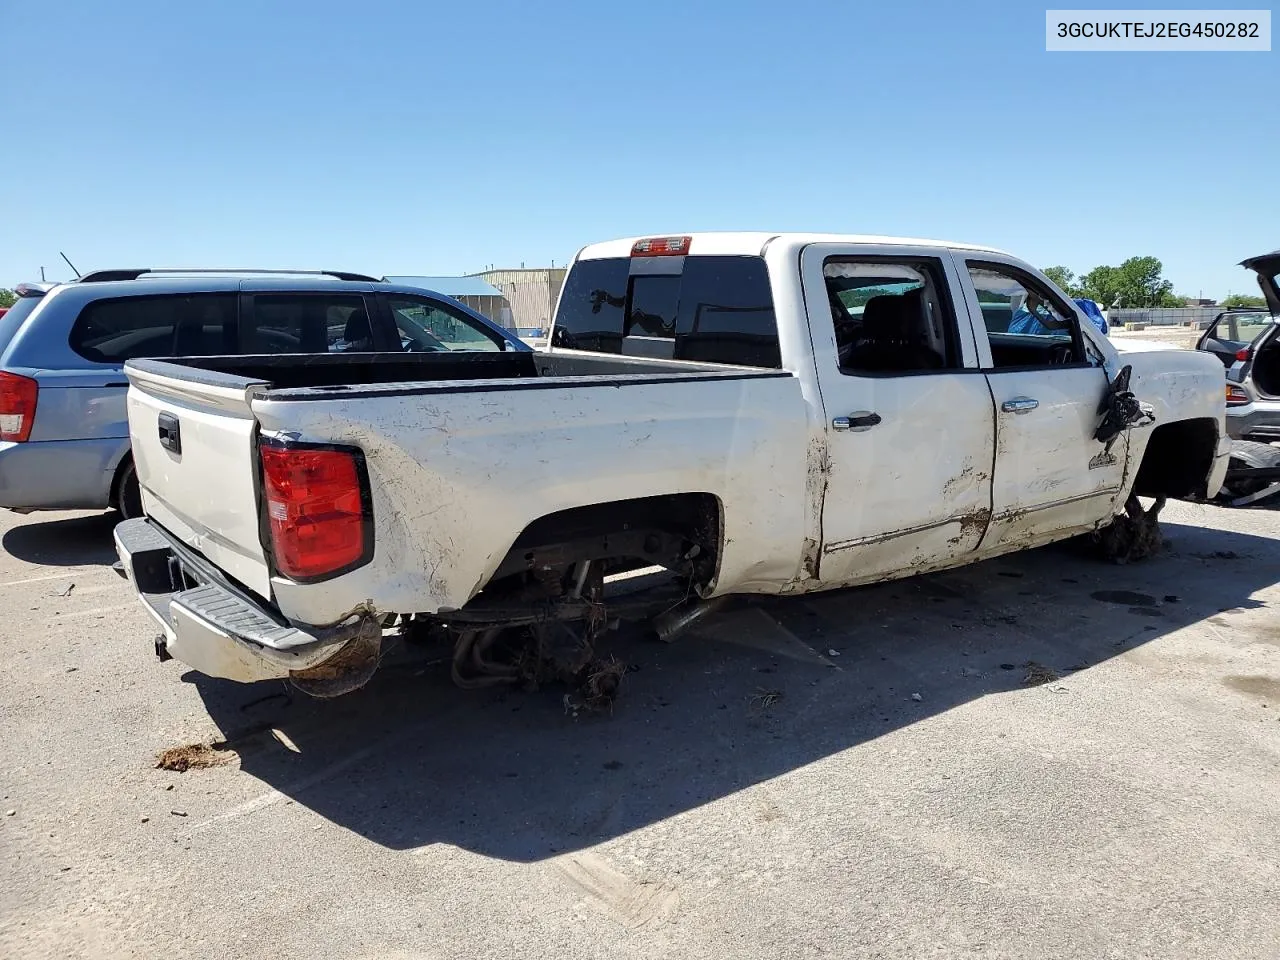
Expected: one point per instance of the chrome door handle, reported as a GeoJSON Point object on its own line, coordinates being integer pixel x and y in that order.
{"type": "Point", "coordinates": [1019, 405]}
{"type": "Point", "coordinates": [856, 422]}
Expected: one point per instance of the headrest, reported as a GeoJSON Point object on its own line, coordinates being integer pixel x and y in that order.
{"type": "Point", "coordinates": [892, 317]}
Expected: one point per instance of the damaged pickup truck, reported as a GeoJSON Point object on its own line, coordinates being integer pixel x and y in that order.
{"type": "Point", "coordinates": [716, 414]}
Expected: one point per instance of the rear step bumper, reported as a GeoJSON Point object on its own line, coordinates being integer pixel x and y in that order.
{"type": "Point", "coordinates": [213, 627]}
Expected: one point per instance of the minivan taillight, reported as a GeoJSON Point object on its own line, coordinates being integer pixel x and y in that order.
{"type": "Point", "coordinates": [17, 406]}
{"type": "Point", "coordinates": [317, 509]}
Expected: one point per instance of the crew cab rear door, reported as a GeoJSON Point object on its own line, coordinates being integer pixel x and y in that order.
{"type": "Point", "coordinates": [908, 419]}
{"type": "Point", "coordinates": [193, 435]}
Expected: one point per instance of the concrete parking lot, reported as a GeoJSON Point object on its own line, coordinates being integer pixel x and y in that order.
{"type": "Point", "coordinates": [1183, 337]}
{"type": "Point", "coordinates": [861, 774]}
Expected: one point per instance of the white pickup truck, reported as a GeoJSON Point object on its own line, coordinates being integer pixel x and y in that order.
{"type": "Point", "coordinates": [751, 412]}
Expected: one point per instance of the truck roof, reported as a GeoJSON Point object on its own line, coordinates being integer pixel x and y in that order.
{"type": "Point", "coordinates": [752, 243]}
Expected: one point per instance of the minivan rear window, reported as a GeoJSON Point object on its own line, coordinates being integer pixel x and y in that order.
{"type": "Point", "coordinates": [14, 317]}
{"type": "Point", "coordinates": [182, 325]}
{"type": "Point", "coordinates": [718, 309]}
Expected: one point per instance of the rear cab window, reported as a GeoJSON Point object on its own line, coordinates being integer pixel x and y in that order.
{"type": "Point", "coordinates": [711, 309]}
{"type": "Point", "coordinates": [124, 328]}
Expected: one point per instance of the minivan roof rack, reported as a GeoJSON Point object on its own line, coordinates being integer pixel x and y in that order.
{"type": "Point", "coordinates": [99, 276]}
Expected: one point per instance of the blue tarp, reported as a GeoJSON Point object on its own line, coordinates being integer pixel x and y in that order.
{"type": "Point", "coordinates": [1091, 310]}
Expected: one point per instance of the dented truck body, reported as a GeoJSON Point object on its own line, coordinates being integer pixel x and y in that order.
{"type": "Point", "coordinates": [751, 413]}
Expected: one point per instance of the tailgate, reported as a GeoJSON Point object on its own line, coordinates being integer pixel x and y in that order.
{"type": "Point", "coordinates": [193, 437]}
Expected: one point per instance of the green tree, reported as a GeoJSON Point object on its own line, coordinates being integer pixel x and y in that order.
{"type": "Point", "coordinates": [1135, 283]}
{"type": "Point", "coordinates": [1101, 284]}
{"type": "Point", "coordinates": [1242, 300]}
{"type": "Point", "coordinates": [1064, 278]}
{"type": "Point", "coordinates": [7, 297]}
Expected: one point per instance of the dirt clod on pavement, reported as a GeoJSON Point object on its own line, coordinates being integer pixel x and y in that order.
{"type": "Point", "coordinates": [193, 756]}
{"type": "Point", "coordinates": [1134, 535]}
{"type": "Point", "coordinates": [1037, 674]}
{"type": "Point", "coordinates": [601, 680]}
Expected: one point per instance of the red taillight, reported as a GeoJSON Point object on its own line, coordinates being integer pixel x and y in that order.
{"type": "Point", "coordinates": [17, 406]}
{"type": "Point", "coordinates": [1244, 353]}
{"type": "Point", "coordinates": [1236, 396]}
{"type": "Point", "coordinates": [661, 247]}
{"type": "Point", "coordinates": [316, 509]}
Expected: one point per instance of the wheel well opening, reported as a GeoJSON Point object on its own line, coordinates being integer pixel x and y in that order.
{"type": "Point", "coordinates": [679, 531]}
{"type": "Point", "coordinates": [117, 481]}
{"type": "Point", "coordinates": [1178, 459]}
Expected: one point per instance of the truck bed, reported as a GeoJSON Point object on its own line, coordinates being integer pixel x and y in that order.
{"type": "Point", "coordinates": [462, 453]}
{"type": "Point", "coordinates": [321, 374]}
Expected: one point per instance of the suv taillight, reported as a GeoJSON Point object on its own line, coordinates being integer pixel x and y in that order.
{"type": "Point", "coordinates": [317, 508]}
{"type": "Point", "coordinates": [1237, 396]}
{"type": "Point", "coordinates": [17, 406]}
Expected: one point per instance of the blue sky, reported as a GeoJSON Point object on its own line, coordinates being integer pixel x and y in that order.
{"type": "Point", "coordinates": [439, 138]}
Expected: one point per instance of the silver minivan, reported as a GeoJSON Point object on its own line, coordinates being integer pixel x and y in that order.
{"type": "Point", "coordinates": [64, 433]}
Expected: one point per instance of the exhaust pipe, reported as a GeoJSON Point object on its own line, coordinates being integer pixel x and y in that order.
{"type": "Point", "coordinates": [667, 626]}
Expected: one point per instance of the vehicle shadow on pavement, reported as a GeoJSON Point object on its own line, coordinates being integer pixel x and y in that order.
{"type": "Point", "coordinates": [758, 692]}
{"type": "Point", "coordinates": [66, 542]}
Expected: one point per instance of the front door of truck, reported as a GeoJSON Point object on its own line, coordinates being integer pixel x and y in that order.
{"type": "Point", "coordinates": [908, 414]}
{"type": "Point", "coordinates": [1047, 382]}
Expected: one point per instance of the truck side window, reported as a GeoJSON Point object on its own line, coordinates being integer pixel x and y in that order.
{"type": "Point", "coordinates": [891, 316]}
{"type": "Point", "coordinates": [1027, 325]}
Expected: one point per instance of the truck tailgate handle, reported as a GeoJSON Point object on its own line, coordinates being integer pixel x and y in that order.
{"type": "Point", "coordinates": [170, 433]}
{"type": "Point", "coordinates": [856, 422]}
{"type": "Point", "coordinates": [1019, 405]}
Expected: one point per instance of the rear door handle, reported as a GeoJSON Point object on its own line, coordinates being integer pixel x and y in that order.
{"type": "Point", "coordinates": [1019, 405]}
{"type": "Point", "coordinates": [856, 422]}
{"type": "Point", "coordinates": [170, 433]}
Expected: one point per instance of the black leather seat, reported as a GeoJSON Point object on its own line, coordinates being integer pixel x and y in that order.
{"type": "Point", "coordinates": [890, 337]}
{"type": "Point", "coordinates": [358, 334]}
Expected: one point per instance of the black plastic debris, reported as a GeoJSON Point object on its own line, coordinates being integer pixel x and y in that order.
{"type": "Point", "coordinates": [1120, 409]}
